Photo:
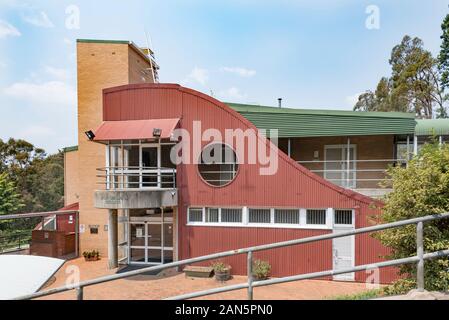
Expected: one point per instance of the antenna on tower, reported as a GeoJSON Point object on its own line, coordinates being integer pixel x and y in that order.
{"type": "Point", "coordinates": [149, 54]}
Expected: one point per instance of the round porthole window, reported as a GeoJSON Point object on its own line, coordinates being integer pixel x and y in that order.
{"type": "Point", "coordinates": [218, 164]}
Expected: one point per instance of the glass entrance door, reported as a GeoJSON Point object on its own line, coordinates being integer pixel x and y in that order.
{"type": "Point", "coordinates": [151, 239]}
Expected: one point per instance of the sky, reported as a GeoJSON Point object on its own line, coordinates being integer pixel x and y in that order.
{"type": "Point", "coordinates": [314, 54]}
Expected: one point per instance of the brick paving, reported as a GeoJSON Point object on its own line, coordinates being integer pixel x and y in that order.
{"type": "Point", "coordinates": [145, 287]}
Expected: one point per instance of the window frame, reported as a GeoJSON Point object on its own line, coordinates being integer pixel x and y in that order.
{"type": "Point", "coordinates": [272, 225]}
{"type": "Point", "coordinates": [270, 210]}
{"type": "Point", "coordinates": [352, 218]}
{"type": "Point", "coordinates": [236, 164]}
{"type": "Point", "coordinates": [318, 226]}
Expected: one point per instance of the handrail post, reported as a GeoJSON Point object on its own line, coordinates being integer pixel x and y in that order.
{"type": "Point", "coordinates": [79, 293]}
{"type": "Point", "coordinates": [250, 274]}
{"type": "Point", "coordinates": [420, 255]}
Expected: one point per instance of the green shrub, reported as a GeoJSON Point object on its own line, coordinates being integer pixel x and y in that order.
{"type": "Point", "coordinates": [261, 269]}
{"type": "Point", "coordinates": [91, 254]}
{"type": "Point", "coordinates": [220, 267]}
{"type": "Point", "coordinates": [420, 189]}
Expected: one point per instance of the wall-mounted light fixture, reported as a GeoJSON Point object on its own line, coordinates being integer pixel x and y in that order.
{"type": "Point", "coordinates": [90, 135]}
{"type": "Point", "coordinates": [157, 133]}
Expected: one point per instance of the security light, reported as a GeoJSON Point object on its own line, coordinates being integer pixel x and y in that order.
{"type": "Point", "coordinates": [90, 135]}
{"type": "Point", "coordinates": [157, 132]}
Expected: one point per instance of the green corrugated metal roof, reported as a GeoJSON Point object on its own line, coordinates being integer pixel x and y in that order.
{"type": "Point", "coordinates": [439, 127]}
{"type": "Point", "coordinates": [320, 123]}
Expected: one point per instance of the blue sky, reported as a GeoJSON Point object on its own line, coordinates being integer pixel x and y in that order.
{"type": "Point", "coordinates": [314, 54]}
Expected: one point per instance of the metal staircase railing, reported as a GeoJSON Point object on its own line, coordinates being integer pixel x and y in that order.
{"type": "Point", "coordinates": [419, 259]}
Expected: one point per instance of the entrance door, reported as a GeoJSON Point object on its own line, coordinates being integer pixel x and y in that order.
{"type": "Point", "coordinates": [151, 238]}
{"type": "Point", "coordinates": [340, 165]}
{"type": "Point", "coordinates": [343, 249]}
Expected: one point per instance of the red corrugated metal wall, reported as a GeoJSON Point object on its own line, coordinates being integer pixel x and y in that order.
{"type": "Point", "coordinates": [291, 186]}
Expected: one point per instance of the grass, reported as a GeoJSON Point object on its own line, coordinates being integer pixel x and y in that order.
{"type": "Point", "coordinates": [366, 295]}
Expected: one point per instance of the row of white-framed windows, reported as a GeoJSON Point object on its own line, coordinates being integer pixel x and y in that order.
{"type": "Point", "coordinates": [272, 217]}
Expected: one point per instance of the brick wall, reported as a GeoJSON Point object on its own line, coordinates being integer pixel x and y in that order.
{"type": "Point", "coordinates": [367, 148]}
{"type": "Point", "coordinates": [100, 65]}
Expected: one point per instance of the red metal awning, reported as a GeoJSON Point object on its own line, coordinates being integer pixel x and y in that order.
{"type": "Point", "coordinates": [135, 129]}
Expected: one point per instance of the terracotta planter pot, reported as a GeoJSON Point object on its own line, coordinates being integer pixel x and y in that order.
{"type": "Point", "coordinates": [257, 278]}
{"type": "Point", "coordinates": [91, 258]}
{"type": "Point", "coordinates": [224, 275]}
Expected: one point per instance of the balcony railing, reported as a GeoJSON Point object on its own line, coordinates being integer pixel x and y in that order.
{"type": "Point", "coordinates": [123, 178]}
{"type": "Point", "coordinates": [354, 174]}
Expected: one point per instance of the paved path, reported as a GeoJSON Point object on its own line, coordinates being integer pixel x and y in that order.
{"type": "Point", "coordinates": [153, 287]}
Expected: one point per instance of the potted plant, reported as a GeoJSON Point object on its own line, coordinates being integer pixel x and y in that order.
{"type": "Point", "coordinates": [222, 271]}
{"type": "Point", "coordinates": [93, 255]}
{"type": "Point", "coordinates": [261, 270]}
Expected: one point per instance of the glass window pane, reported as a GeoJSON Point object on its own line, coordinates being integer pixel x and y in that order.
{"type": "Point", "coordinates": [212, 215]}
{"type": "Point", "coordinates": [168, 235]}
{"type": "Point", "coordinates": [149, 157]}
{"type": "Point", "coordinates": [195, 215]}
{"type": "Point", "coordinates": [154, 256]}
{"type": "Point", "coordinates": [286, 216]}
{"type": "Point", "coordinates": [137, 255]}
{"type": "Point", "coordinates": [231, 215]}
{"type": "Point", "coordinates": [137, 235]}
{"type": "Point", "coordinates": [259, 216]}
{"type": "Point", "coordinates": [316, 217]}
{"type": "Point", "coordinates": [154, 235]}
{"type": "Point", "coordinates": [165, 157]}
{"type": "Point", "coordinates": [343, 217]}
{"type": "Point", "coordinates": [168, 256]}
{"type": "Point", "coordinates": [218, 165]}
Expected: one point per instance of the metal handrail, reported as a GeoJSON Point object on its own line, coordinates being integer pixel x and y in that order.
{"type": "Point", "coordinates": [351, 175]}
{"type": "Point", "coordinates": [18, 244]}
{"type": "Point", "coordinates": [419, 258]}
{"type": "Point", "coordinates": [109, 175]}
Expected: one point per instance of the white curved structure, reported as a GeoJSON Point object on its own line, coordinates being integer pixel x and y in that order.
{"type": "Point", "coordinates": [21, 275]}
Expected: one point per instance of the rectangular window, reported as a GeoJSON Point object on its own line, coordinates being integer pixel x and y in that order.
{"type": "Point", "coordinates": [343, 217]}
{"type": "Point", "coordinates": [259, 216]}
{"type": "Point", "coordinates": [212, 215]}
{"type": "Point", "coordinates": [316, 217]}
{"type": "Point", "coordinates": [286, 216]}
{"type": "Point", "coordinates": [231, 215]}
{"type": "Point", "coordinates": [195, 215]}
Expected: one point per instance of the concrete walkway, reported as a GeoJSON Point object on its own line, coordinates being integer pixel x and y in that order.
{"type": "Point", "coordinates": [173, 283]}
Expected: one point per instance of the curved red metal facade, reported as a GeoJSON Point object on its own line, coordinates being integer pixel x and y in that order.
{"type": "Point", "coordinates": [292, 186]}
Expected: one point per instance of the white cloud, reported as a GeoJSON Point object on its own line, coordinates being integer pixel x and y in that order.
{"type": "Point", "coordinates": [198, 75]}
{"type": "Point", "coordinates": [352, 100]}
{"type": "Point", "coordinates": [36, 131]}
{"type": "Point", "coordinates": [39, 20]}
{"type": "Point", "coordinates": [8, 30]}
{"type": "Point", "coordinates": [232, 93]}
{"type": "Point", "coordinates": [58, 73]}
{"type": "Point", "coordinates": [67, 41]}
{"type": "Point", "coordinates": [51, 93]}
{"type": "Point", "coordinates": [242, 72]}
